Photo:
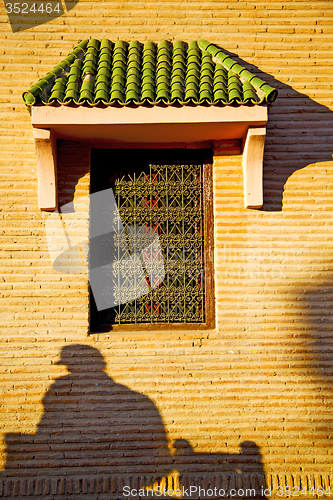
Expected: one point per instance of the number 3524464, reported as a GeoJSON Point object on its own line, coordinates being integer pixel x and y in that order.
{"type": "Point", "coordinates": [298, 492]}
{"type": "Point", "coordinates": [35, 8]}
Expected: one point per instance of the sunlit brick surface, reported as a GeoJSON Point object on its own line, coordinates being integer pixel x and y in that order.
{"type": "Point", "coordinates": [265, 374]}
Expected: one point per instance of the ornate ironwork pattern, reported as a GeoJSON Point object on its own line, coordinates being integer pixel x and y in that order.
{"type": "Point", "coordinates": [167, 198]}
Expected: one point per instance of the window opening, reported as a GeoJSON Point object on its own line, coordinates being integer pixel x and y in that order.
{"type": "Point", "coordinates": [160, 196]}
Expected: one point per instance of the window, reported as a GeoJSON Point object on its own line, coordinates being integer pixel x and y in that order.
{"type": "Point", "coordinates": [164, 203]}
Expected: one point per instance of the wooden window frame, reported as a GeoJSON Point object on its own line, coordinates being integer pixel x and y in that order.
{"type": "Point", "coordinates": [208, 221]}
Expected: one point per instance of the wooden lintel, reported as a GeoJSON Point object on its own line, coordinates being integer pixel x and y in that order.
{"type": "Point", "coordinates": [252, 167]}
{"type": "Point", "coordinates": [46, 150]}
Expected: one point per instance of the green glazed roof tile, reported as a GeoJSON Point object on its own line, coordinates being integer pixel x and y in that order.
{"type": "Point", "coordinates": [121, 73]}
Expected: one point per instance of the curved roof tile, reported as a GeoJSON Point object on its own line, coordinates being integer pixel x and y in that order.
{"type": "Point", "coordinates": [121, 73]}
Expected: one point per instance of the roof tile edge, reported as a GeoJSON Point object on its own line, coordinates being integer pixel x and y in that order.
{"type": "Point", "coordinates": [29, 96]}
{"type": "Point", "coordinates": [265, 91]}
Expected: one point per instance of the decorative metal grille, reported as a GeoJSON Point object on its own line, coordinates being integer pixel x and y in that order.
{"type": "Point", "coordinates": [169, 199]}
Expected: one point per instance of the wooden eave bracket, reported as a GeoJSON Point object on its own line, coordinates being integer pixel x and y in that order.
{"type": "Point", "coordinates": [253, 154]}
{"type": "Point", "coordinates": [46, 150]}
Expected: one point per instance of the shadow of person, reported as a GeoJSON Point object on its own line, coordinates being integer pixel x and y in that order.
{"type": "Point", "coordinates": [231, 475]}
{"type": "Point", "coordinates": [91, 426]}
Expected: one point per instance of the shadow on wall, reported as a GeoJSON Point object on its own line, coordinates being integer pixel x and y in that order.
{"type": "Point", "coordinates": [72, 172]}
{"type": "Point", "coordinates": [310, 353]}
{"type": "Point", "coordinates": [299, 132]}
{"type": "Point", "coordinates": [238, 472]}
{"type": "Point", "coordinates": [314, 303]}
{"type": "Point", "coordinates": [32, 13]}
{"type": "Point", "coordinates": [97, 436]}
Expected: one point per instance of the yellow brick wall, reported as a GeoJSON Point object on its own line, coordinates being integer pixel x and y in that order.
{"type": "Point", "coordinates": [265, 374]}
